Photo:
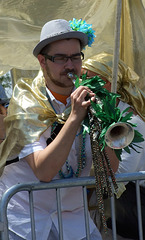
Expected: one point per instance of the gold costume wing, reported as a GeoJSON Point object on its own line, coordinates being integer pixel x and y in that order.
{"type": "Point", "coordinates": [29, 115]}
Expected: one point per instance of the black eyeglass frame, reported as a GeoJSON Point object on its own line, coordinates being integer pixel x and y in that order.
{"type": "Point", "coordinates": [52, 58]}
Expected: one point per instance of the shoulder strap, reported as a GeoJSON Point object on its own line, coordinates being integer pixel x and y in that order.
{"type": "Point", "coordinates": [54, 133]}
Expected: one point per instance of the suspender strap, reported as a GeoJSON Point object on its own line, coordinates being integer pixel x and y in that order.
{"type": "Point", "coordinates": [12, 161]}
{"type": "Point", "coordinates": [54, 133]}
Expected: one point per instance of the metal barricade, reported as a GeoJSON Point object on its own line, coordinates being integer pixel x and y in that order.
{"type": "Point", "coordinates": [66, 183]}
{"type": "Point", "coordinates": [126, 177]}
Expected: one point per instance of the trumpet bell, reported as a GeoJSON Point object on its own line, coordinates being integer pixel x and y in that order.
{"type": "Point", "coordinates": [119, 135]}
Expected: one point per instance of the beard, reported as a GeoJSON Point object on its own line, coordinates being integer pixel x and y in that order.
{"type": "Point", "coordinates": [57, 82]}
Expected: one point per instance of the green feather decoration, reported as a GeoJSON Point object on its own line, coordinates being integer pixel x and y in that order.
{"type": "Point", "coordinates": [107, 112]}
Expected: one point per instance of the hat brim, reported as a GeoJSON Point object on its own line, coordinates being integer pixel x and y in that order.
{"type": "Point", "coordinates": [72, 34]}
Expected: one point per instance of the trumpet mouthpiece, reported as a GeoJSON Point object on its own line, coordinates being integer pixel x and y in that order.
{"type": "Point", "coordinates": [71, 76]}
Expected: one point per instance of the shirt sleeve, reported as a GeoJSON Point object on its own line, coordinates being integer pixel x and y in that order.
{"type": "Point", "coordinates": [36, 146]}
{"type": "Point", "coordinates": [134, 161]}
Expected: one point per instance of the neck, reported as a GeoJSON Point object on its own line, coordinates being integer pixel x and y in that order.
{"type": "Point", "coordinates": [60, 97]}
{"type": "Point", "coordinates": [66, 91]}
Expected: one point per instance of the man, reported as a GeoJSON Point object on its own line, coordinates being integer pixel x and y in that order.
{"type": "Point", "coordinates": [130, 96]}
{"type": "Point", "coordinates": [36, 111]}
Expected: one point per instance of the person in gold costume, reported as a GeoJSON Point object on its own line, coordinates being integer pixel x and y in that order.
{"type": "Point", "coordinates": [43, 128]}
{"type": "Point", "coordinates": [130, 96]}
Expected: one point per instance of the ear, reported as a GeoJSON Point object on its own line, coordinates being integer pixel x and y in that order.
{"type": "Point", "coordinates": [42, 61]}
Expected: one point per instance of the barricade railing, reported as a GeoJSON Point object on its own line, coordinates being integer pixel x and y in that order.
{"type": "Point", "coordinates": [126, 177]}
{"type": "Point", "coordinates": [66, 183]}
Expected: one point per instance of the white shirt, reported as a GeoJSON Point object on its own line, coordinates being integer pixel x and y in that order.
{"type": "Point", "coordinates": [45, 200]}
{"type": "Point", "coordinates": [133, 162]}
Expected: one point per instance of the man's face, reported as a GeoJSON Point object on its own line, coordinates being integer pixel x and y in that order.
{"type": "Point", "coordinates": [55, 72]}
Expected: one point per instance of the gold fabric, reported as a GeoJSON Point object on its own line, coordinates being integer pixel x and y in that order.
{"type": "Point", "coordinates": [102, 64]}
{"type": "Point", "coordinates": [132, 40]}
{"type": "Point", "coordinates": [29, 115]}
{"type": "Point", "coordinates": [22, 74]}
{"type": "Point", "coordinates": [21, 22]}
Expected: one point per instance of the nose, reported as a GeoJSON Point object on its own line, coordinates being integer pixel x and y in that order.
{"type": "Point", "coordinates": [69, 64]}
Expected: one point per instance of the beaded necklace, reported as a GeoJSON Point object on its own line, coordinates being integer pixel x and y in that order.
{"type": "Point", "coordinates": [82, 155]}
{"type": "Point", "coordinates": [81, 159]}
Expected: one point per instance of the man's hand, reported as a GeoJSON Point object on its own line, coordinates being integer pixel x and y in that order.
{"type": "Point", "coordinates": [80, 102]}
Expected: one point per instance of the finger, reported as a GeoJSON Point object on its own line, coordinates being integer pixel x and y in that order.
{"type": "Point", "coordinates": [81, 99]}
{"type": "Point", "coordinates": [79, 90]}
{"type": "Point", "coordinates": [81, 96]}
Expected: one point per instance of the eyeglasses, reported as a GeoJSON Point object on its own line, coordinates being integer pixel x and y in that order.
{"type": "Point", "coordinates": [62, 58]}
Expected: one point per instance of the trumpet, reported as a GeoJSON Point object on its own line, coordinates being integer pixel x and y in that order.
{"type": "Point", "coordinates": [119, 135]}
